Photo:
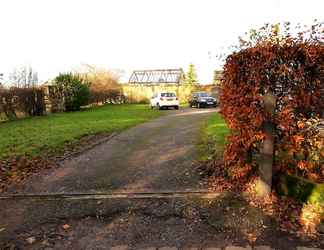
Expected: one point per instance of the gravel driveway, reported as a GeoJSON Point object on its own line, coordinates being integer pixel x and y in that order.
{"type": "Point", "coordinates": [152, 156]}
{"type": "Point", "coordinates": [155, 156]}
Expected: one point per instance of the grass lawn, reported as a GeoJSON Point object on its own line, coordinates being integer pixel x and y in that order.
{"type": "Point", "coordinates": [50, 134]}
{"type": "Point", "coordinates": [213, 137]}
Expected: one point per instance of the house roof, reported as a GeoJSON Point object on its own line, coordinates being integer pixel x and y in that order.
{"type": "Point", "coordinates": [156, 76]}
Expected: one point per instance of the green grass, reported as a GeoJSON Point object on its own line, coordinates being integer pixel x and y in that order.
{"type": "Point", "coordinates": [37, 136]}
{"type": "Point", "coordinates": [301, 189]}
{"type": "Point", "coordinates": [213, 138]}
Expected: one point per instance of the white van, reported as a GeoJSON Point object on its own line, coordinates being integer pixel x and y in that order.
{"type": "Point", "coordinates": [164, 100]}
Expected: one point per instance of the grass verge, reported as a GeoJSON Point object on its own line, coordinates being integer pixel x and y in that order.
{"type": "Point", "coordinates": [38, 136]}
{"type": "Point", "coordinates": [213, 138]}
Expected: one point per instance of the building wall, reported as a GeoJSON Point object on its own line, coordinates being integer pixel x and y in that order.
{"type": "Point", "coordinates": [141, 93]}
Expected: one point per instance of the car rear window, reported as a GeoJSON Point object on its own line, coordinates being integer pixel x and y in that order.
{"type": "Point", "coordinates": [203, 94]}
{"type": "Point", "coordinates": [168, 94]}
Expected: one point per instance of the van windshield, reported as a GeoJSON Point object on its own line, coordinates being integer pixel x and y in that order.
{"type": "Point", "coordinates": [168, 94]}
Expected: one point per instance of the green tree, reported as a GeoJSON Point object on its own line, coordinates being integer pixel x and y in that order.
{"type": "Point", "coordinates": [191, 75]}
{"type": "Point", "coordinates": [76, 90]}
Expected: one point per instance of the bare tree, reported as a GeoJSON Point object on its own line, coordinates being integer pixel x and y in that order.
{"type": "Point", "coordinates": [24, 77]}
{"type": "Point", "coordinates": [1, 79]}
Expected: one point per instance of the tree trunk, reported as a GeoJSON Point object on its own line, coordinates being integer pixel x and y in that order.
{"type": "Point", "coordinates": [267, 149]}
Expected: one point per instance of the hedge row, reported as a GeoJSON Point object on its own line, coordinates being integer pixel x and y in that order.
{"type": "Point", "coordinates": [22, 102]}
{"type": "Point", "coordinates": [106, 96]}
{"type": "Point", "coordinates": [15, 102]}
{"type": "Point", "coordinates": [284, 73]}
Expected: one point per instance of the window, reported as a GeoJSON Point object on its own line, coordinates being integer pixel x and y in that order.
{"type": "Point", "coordinates": [168, 94]}
{"type": "Point", "coordinates": [203, 94]}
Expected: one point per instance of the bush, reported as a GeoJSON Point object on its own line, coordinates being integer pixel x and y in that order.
{"type": "Point", "coordinates": [28, 101]}
{"type": "Point", "coordinates": [8, 103]}
{"type": "Point", "coordinates": [291, 70]}
{"type": "Point", "coordinates": [104, 86]}
{"type": "Point", "coordinates": [106, 96]}
{"type": "Point", "coordinates": [301, 189]}
{"type": "Point", "coordinates": [76, 90]}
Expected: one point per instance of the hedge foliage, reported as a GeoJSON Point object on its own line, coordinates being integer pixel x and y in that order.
{"type": "Point", "coordinates": [76, 90]}
{"type": "Point", "coordinates": [292, 69]}
{"type": "Point", "coordinates": [301, 189]}
{"type": "Point", "coordinates": [21, 101]}
{"type": "Point", "coordinates": [104, 87]}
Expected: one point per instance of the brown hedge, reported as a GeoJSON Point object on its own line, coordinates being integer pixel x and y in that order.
{"type": "Point", "coordinates": [294, 71]}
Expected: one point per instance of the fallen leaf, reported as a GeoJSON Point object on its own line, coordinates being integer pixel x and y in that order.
{"type": "Point", "coordinates": [31, 240]}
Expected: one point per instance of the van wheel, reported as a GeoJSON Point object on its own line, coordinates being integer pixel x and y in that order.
{"type": "Point", "coordinates": [176, 107]}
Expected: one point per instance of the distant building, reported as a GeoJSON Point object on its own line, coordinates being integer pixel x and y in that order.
{"type": "Point", "coordinates": [143, 84]}
{"type": "Point", "coordinates": [157, 77]}
{"type": "Point", "coordinates": [218, 74]}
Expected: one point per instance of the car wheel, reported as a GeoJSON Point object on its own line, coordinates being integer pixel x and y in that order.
{"type": "Point", "coordinates": [176, 107]}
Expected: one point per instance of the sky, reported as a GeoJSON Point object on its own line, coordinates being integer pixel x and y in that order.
{"type": "Point", "coordinates": [56, 36]}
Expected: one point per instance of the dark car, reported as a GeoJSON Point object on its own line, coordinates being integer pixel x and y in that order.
{"type": "Point", "coordinates": [202, 99]}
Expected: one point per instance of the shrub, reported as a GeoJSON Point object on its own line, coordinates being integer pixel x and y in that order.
{"type": "Point", "coordinates": [106, 96]}
{"type": "Point", "coordinates": [29, 101]}
{"type": "Point", "coordinates": [8, 103]}
{"type": "Point", "coordinates": [291, 70]}
{"type": "Point", "coordinates": [301, 189]}
{"type": "Point", "coordinates": [76, 90]}
{"type": "Point", "coordinates": [104, 86]}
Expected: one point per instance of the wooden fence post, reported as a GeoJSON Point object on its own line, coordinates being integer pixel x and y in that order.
{"type": "Point", "coordinates": [267, 149]}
